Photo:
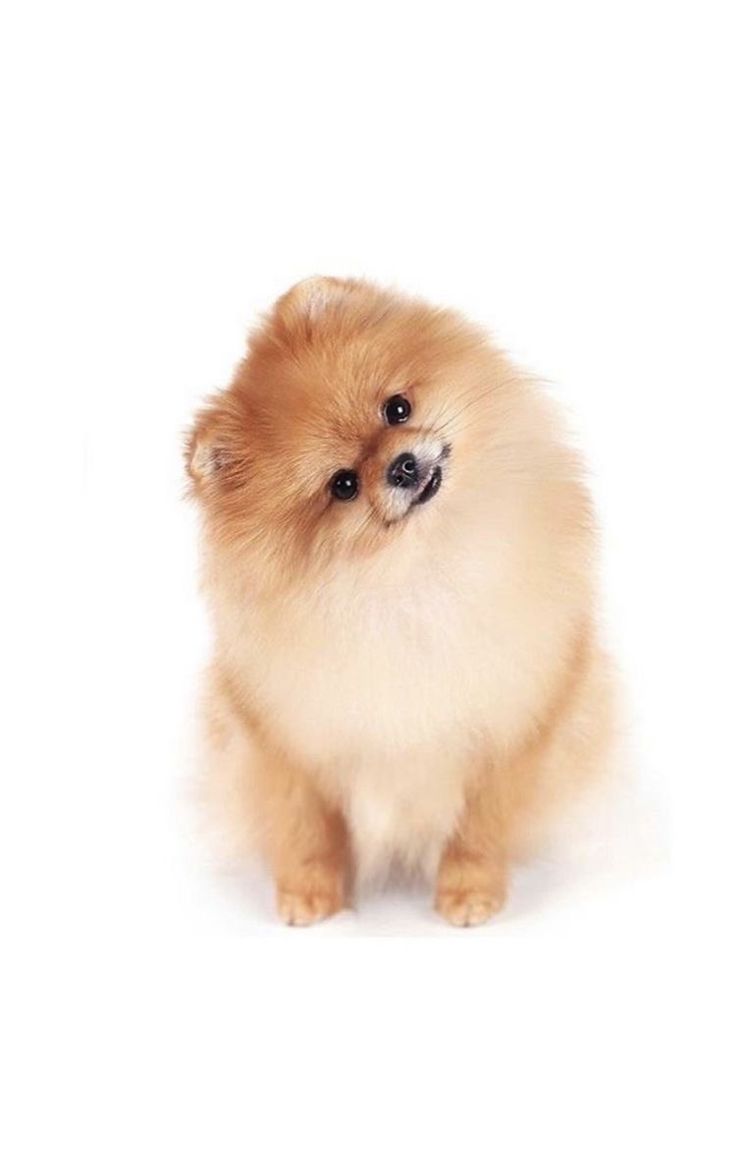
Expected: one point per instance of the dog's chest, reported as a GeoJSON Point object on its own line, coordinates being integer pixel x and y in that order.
{"type": "Point", "coordinates": [385, 707]}
{"type": "Point", "coordinates": [370, 679]}
{"type": "Point", "coordinates": [391, 703]}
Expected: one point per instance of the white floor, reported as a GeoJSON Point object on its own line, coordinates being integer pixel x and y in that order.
{"type": "Point", "coordinates": [617, 859]}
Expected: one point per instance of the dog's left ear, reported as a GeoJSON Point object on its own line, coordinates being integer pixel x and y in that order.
{"type": "Point", "coordinates": [308, 302]}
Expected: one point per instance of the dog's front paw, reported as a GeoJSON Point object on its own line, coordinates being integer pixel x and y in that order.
{"type": "Point", "coordinates": [303, 905]}
{"type": "Point", "coordinates": [467, 906]}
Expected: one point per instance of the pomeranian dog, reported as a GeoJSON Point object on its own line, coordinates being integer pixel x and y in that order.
{"type": "Point", "coordinates": [399, 560]}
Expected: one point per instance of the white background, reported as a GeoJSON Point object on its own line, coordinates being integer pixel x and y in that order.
{"type": "Point", "coordinates": [563, 173]}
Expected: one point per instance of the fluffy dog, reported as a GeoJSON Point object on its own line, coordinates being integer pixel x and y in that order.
{"type": "Point", "coordinates": [399, 559]}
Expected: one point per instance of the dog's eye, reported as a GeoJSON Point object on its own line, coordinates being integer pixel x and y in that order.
{"type": "Point", "coordinates": [397, 410]}
{"type": "Point", "coordinates": [345, 485]}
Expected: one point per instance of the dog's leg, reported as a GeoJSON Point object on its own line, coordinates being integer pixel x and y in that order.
{"type": "Point", "coordinates": [306, 844]}
{"type": "Point", "coordinates": [471, 881]}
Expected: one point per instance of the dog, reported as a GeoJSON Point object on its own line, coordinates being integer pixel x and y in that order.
{"type": "Point", "coordinates": [399, 560]}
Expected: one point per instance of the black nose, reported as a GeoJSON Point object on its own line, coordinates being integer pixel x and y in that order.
{"type": "Point", "coordinates": [403, 472]}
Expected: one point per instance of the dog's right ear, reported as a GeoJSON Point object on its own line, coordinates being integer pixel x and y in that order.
{"type": "Point", "coordinates": [200, 457]}
{"type": "Point", "coordinates": [206, 450]}
{"type": "Point", "coordinates": [216, 448]}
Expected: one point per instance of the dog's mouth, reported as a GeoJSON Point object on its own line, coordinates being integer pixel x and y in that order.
{"type": "Point", "coordinates": [431, 486]}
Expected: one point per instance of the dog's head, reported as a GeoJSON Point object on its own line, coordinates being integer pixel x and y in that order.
{"type": "Point", "coordinates": [357, 418]}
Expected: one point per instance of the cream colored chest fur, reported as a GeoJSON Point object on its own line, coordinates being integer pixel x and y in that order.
{"type": "Point", "coordinates": [392, 697]}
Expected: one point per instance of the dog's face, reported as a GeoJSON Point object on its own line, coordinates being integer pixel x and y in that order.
{"type": "Point", "coordinates": [352, 422]}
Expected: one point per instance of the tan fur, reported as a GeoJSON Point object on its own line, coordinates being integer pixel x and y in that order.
{"type": "Point", "coordinates": [424, 691]}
